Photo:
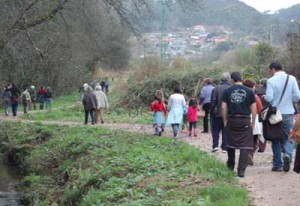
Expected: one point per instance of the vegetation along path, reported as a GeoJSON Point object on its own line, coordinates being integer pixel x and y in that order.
{"type": "Point", "coordinates": [266, 188]}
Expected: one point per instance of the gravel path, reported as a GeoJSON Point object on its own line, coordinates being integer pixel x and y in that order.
{"type": "Point", "coordinates": [266, 188]}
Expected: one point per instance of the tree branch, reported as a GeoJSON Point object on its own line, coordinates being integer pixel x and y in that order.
{"type": "Point", "coordinates": [19, 26]}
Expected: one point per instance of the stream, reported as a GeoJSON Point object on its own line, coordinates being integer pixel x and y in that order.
{"type": "Point", "coordinates": [9, 178]}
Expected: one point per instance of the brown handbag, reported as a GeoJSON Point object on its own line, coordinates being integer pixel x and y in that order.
{"type": "Point", "coordinates": [201, 114]}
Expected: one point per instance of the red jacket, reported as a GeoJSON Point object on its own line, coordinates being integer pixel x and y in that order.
{"type": "Point", "coordinates": [258, 104]}
{"type": "Point", "coordinates": [192, 114]}
{"type": "Point", "coordinates": [155, 106]}
{"type": "Point", "coordinates": [42, 91]}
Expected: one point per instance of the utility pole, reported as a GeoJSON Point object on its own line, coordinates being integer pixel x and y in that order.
{"type": "Point", "coordinates": [163, 42]}
{"type": "Point", "coordinates": [273, 32]}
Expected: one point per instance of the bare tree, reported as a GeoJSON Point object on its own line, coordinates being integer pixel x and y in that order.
{"type": "Point", "coordinates": [292, 54]}
{"type": "Point", "coordinates": [59, 42]}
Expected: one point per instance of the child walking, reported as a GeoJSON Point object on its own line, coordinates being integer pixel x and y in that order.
{"type": "Point", "coordinates": [159, 112]}
{"type": "Point", "coordinates": [192, 116]}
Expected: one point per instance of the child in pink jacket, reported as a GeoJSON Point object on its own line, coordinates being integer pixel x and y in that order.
{"type": "Point", "coordinates": [192, 116]}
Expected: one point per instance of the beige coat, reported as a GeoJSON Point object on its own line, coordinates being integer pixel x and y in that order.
{"type": "Point", "coordinates": [27, 95]}
{"type": "Point", "coordinates": [101, 100]}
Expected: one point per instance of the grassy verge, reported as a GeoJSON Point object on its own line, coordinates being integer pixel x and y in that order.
{"type": "Point", "coordinates": [75, 113]}
{"type": "Point", "coordinates": [95, 166]}
{"type": "Point", "coordinates": [59, 102]}
{"type": "Point", "coordinates": [69, 109]}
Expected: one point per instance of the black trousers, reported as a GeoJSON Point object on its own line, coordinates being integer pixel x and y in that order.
{"type": "Point", "coordinates": [243, 160]}
{"type": "Point", "coordinates": [206, 108]}
{"type": "Point", "coordinates": [192, 125]}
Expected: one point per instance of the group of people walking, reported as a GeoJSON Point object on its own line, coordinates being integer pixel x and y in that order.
{"type": "Point", "coordinates": [234, 107]}
{"type": "Point", "coordinates": [28, 97]}
{"type": "Point", "coordinates": [94, 103]}
{"type": "Point", "coordinates": [231, 108]}
{"type": "Point", "coordinates": [240, 110]}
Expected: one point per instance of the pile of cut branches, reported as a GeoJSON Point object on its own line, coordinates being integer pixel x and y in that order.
{"type": "Point", "coordinates": [141, 94]}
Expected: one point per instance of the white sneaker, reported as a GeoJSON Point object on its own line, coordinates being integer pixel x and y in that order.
{"type": "Point", "coordinates": [215, 149]}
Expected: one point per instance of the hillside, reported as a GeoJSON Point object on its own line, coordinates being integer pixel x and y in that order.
{"type": "Point", "coordinates": [292, 13]}
{"type": "Point", "coordinates": [232, 14]}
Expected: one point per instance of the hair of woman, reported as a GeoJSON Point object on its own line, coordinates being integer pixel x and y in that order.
{"type": "Point", "coordinates": [193, 102]}
{"type": "Point", "coordinates": [177, 89]}
{"type": "Point", "coordinates": [249, 83]}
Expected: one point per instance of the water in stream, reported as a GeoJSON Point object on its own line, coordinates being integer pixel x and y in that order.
{"type": "Point", "coordinates": [9, 178]}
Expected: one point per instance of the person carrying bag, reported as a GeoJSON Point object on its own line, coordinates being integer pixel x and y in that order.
{"type": "Point", "coordinates": [272, 120]}
{"type": "Point", "coordinates": [282, 91]}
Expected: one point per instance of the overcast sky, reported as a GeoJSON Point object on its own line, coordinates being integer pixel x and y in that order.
{"type": "Point", "coordinates": [272, 5]}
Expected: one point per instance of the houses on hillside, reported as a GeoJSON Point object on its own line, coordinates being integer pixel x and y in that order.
{"type": "Point", "coordinates": [190, 41]}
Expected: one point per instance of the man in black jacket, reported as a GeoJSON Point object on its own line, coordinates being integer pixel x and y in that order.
{"type": "Point", "coordinates": [217, 124]}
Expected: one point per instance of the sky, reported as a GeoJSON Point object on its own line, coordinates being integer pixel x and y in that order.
{"type": "Point", "coordinates": [272, 5]}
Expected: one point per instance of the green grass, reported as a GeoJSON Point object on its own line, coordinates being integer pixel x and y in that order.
{"type": "Point", "coordinates": [70, 109]}
{"type": "Point", "coordinates": [75, 113]}
{"type": "Point", "coordinates": [59, 102]}
{"type": "Point", "coordinates": [109, 167]}
{"type": "Point", "coordinates": [63, 101]}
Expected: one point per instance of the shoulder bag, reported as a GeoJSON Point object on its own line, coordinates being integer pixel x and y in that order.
{"type": "Point", "coordinates": [272, 120]}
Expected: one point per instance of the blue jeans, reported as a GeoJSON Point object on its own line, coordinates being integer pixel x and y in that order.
{"type": "Point", "coordinates": [14, 107]}
{"type": "Point", "coordinates": [175, 128]}
{"type": "Point", "coordinates": [6, 104]}
{"type": "Point", "coordinates": [217, 125]}
{"type": "Point", "coordinates": [87, 112]}
{"type": "Point", "coordinates": [157, 129]}
{"type": "Point", "coordinates": [49, 103]}
{"type": "Point", "coordinates": [287, 120]}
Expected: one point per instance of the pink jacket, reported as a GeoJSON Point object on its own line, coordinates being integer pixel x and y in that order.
{"type": "Point", "coordinates": [192, 114]}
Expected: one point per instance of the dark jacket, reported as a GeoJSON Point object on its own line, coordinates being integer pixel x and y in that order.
{"type": "Point", "coordinates": [260, 92]}
{"type": "Point", "coordinates": [15, 92]}
{"type": "Point", "coordinates": [89, 101]}
{"type": "Point", "coordinates": [216, 98]}
{"type": "Point", "coordinates": [49, 94]}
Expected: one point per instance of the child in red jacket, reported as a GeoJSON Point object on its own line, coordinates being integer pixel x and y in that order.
{"type": "Point", "coordinates": [192, 116]}
{"type": "Point", "coordinates": [159, 112]}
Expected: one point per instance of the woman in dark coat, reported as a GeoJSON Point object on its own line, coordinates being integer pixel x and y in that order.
{"type": "Point", "coordinates": [15, 93]}
{"type": "Point", "coordinates": [90, 104]}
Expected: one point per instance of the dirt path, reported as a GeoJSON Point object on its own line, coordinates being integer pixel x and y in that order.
{"type": "Point", "coordinates": [266, 188]}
